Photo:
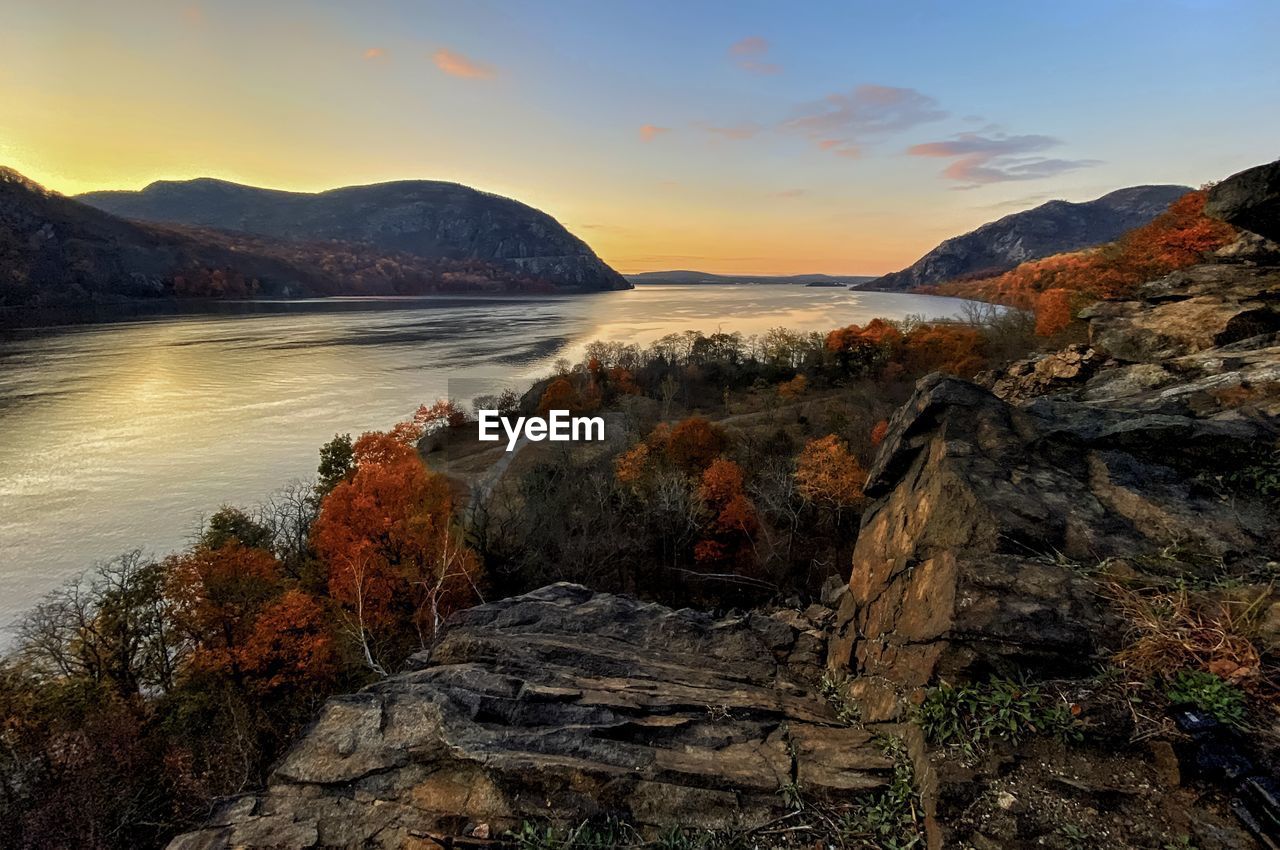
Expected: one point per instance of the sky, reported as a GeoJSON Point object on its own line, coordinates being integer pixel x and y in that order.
{"type": "Point", "coordinates": [738, 137]}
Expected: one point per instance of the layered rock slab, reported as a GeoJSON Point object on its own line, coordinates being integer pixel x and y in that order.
{"type": "Point", "coordinates": [564, 704]}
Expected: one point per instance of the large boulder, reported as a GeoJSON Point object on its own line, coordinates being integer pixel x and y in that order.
{"type": "Point", "coordinates": [992, 513]}
{"type": "Point", "coordinates": [1249, 200]}
{"type": "Point", "coordinates": [1186, 312]}
{"type": "Point", "coordinates": [564, 704]}
{"type": "Point", "coordinates": [990, 520]}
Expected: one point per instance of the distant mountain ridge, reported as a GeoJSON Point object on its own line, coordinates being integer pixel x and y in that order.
{"type": "Point", "coordinates": [56, 252]}
{"type": "Point", "coordinates": [685, 276]}
{"type": "Point", "coordinates": [419, 217]}
{"type": "Point", "coordinates": [1050, 228]}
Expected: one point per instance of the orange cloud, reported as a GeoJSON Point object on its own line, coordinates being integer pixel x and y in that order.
{"type": "Point", "coordinates": [375, 53]}
{"type": "Point", "coordinates": [194, 15]}
{"type": "Point", "coordinates": [649, 132]}
{"type": "Point", "coordinates": [457, 65]}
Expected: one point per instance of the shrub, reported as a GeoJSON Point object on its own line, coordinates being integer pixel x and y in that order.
{"type": "Point", "coordinates": [968, 716]}
{"type": "Point", "coordinates": [1208, 693]}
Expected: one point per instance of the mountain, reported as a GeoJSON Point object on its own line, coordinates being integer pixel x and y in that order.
{"type": "Point", "coordinates": [422, 218]}
{"type": "Point", "coordinates": [55, 251]}
{"type": "Point", "coordinates": [682, 276]}
{"type": "Point", "coordinates": [1050, 228]}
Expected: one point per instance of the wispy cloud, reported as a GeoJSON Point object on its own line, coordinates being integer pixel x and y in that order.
{"type": "Point", "coordinates": [375, 53]}
{"type": "Point", "coordinates": [998, 158]}
{"type": "Point", "coordinates": [649, 132]}
{"type": "Point", "coordinates": [972, 144]}
{"type": "Point", "coordinates": [843, 122]}
{"type": "Point", "coordinates": [751, 54]}
{"type": "Point", "coordinates": [791, 193]}
{"type": "Point", "coordinates": [456, 65]}
{"type": "Point", "coordinates": [735, 132]}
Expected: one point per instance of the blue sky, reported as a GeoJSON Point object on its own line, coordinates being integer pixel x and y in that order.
{"type": "Point", "coordinates": [846, 137]}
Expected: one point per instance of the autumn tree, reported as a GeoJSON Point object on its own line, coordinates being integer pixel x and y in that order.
{"type": "Point", "coordinates": [794, 388]}
{"type": "Point", "coordinates": [828, 475]}
{"type": "Point", "coordinates": [733, 518]}
{"type": "Point", "coordinates": [290, 648]}
{"type": "Point", "coordinates": [396, 564]}
{"type": "Point", "coordinates": [864, 350]}
{"type": "Point", "coordinates": [693, 443]}
{"type": "Point", "coordinates": [940, 347]}
{"type": "Point", "coordinates": [560, 394]}
{"type": "Point", "coordinates": [443, 414]}
{"type": "Point", "coordinates": [217, 595]}
{"type": "Point", "coordinates": [1054, 311]}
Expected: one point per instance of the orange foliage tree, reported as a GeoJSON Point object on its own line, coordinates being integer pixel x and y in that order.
{"type": "Point", "coordinates": [290, 649]}
{"type": "Point", "coordinates": [560, 394]}
{"type": "Point", "coordinates": [693, 443]}
{"type": "Point", "coordinates": [865, 350]}
{"type": "Point", "coordinates": [395, 562]}
{"type": "Point", "coordinates": [217, 595]}
{"type": "Point", "coordinates": [621, 381]}
{"type": "Point", "coordinates": [828, 474]}
{"type": "Point", "coordinates": [1054, 311]}
{"type": "Point", "coordinates": [793, 388]}
{"type": "Point", "coordinates": [955, 349]}
{"type": "Point", "coordinates": [734, 518]}
{"type": "Point", "coordinates": [690, 446]}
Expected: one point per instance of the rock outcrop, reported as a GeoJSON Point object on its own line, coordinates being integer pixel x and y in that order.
{"type": "Point", "coordinates": [1250, 200]}
{"type": "Point", "coordinates": [993, 509]}
{"type": "Point", "coordinates": [565, 703]}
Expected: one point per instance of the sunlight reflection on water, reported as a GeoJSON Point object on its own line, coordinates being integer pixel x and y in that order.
{"type": "Point", "coordinates": [123, 435]}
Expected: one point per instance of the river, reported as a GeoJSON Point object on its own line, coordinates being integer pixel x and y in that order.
{"type": "Point", "coordinates": [125, 434]}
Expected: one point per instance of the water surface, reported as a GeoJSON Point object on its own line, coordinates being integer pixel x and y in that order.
{"type": "Point", "coordinates": [123, 435]}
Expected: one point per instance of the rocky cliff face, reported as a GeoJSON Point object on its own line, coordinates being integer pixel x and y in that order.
{"type": "Point", "coordinates": [419, 217]}
{"type": "Point", "coordinates": [1050, 228]}
{"type": "Point", "coordinates": [565, 704]}
{"type": "Point", "coordinates": [994, 507]}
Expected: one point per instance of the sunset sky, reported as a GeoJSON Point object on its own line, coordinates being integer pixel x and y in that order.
{"type": "Point", "coordinates": [769, 137]}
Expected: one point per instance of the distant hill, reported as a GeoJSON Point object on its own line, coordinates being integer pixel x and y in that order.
{"type": "Point", "coordinates": [1050, 228]}
{"type": "Point", "coordinates": [690, 277]}
{"type": "Point", "coordinates": [59, 252]}
{"type": "Point", "coordinates": [422, 218]}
